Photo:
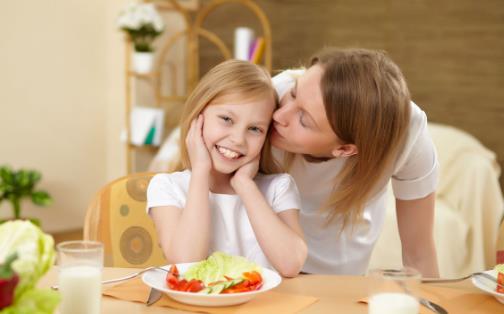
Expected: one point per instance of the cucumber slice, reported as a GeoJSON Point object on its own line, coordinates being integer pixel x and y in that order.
{"type": "Point", "coordinates": [206, 290]}
{"type": "Point", "coordinates": [216, 289]}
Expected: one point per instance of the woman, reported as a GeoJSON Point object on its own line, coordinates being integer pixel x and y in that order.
{"type": "Point", "coordinates": [344, 128]}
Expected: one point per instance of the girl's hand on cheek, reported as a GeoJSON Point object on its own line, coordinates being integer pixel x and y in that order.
{"type": "Point", "coordinates": [246, 172]}
{"type": "Point", "coordinates": [196, 148]}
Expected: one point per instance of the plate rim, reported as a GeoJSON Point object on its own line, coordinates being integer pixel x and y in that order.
{"type": "Point", "coordinates": [206, 296]}
{"type": "Point", "coordinates": [483, 287]}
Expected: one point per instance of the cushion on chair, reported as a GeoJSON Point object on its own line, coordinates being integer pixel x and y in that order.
{"type": "Point", "coordinates": [117, 217]}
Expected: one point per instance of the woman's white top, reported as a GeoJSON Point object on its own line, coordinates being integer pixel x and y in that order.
{"type": "Point", "coordinates": [230, 227]}
{"type": "Point", "coordinates": [414, 176]}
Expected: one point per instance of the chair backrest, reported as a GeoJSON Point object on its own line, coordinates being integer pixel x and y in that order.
{"type": "Point", "coordinates": [117, 218]}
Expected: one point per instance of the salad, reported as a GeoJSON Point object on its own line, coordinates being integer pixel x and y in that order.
{"type": "Point", "coordinates": [500, 277]}
{"type": "Point", "coordinates": [219, 273]}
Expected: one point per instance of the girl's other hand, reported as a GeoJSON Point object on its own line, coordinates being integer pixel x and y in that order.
{"type": "Point", "coordinates": [246, 172]}
{"type": "Point", "coordinates": [196, 148]}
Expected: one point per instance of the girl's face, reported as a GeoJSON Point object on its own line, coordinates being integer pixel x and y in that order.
{"type": "Point", "coordinates": [300, 125]}
{"type": "Point", "coordinates": [234, 130]}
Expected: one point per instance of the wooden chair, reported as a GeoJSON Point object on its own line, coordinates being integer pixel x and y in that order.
{"type": "Point", "coordinates": [117, 218]}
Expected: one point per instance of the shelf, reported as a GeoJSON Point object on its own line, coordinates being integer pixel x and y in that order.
{"type": "Point", "coordinates": [147, 148]}
{"type": "Point", "coordinates": [147, 76]}
{"type": "Point", "coordinates": [163, 85]}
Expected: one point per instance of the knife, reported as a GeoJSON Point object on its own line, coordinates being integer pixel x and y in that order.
{"type": "Point", "coordinates": [154, 296]}
{"type": "Point", "coordinates": [436, 308]}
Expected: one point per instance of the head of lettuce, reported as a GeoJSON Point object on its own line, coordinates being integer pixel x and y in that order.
{"type": "Point", "coordinates": [35, 255]}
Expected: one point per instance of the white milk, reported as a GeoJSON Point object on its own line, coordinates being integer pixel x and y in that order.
{"type": "Point", "coordinates": [80, 288]}
{"type": "Point", "coordinates": [393, 303]}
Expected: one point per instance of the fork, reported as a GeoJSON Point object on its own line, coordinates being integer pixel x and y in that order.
{"type": "Point", "coordinates": [484, 275]}
{"type": "Point", "coordinates": [127, 277]}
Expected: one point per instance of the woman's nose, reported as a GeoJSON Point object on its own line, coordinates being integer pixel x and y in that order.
{"type": "Point", "coordinates": [281, 115]}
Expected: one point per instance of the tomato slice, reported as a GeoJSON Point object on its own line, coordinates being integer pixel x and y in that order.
{"type": "Point", "coordinates": [172, 281]}
{"type": "Point", "coordinates": [195, 285]}
{"type": "Point", "coordinates": [253, 276]}
{"type": "Point", "coordinates": [174, 270]}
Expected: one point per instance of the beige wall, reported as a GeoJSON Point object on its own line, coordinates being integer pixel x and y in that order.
{"type": "Point", "coordinates": [60, 101]}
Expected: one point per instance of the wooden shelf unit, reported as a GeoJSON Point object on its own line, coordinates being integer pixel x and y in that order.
{"type": "Point", "coordinates": [191, 33]}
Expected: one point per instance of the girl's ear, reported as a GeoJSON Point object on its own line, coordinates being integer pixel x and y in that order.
{"type": "Point", "coordinates": [345, 150]}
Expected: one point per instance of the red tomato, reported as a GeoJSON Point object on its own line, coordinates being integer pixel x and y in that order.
{"type": "Point", "coordinates": [253, 276]}
{"type": "Point", "coordinates": [174, 270]}
{"type": "Point", "coordinates": [172, 281]}
{"type": "Point", "coordinates": [500, 279]}
{"type": "Point", "coordinates": [195, 285]}
{"type": "Point", "coordinates": [182, 285]}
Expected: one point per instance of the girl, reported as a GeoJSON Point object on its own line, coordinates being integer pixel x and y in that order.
{"type": "Point", "coordinates": [221, 202]}
{"type": "Point", "coordinates": [345, 127]}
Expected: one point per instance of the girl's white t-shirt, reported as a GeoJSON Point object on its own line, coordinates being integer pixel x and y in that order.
{"type": "Point", "coordinates": [231, 229]}
{"type": "Point", "coordinates": [414, 176]}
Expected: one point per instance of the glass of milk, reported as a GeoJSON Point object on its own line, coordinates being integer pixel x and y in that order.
{"type": "Point", "coordinates": [79, 279]}
{"type": "Point", "coordinates": [394, 291]}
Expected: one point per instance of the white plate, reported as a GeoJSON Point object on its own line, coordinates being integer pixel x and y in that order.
{"type": "Point", "coordinates": [488, 286]}
{"type": "Point", "coordinates": [157, 279]}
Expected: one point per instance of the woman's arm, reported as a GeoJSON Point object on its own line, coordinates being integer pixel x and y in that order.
{"type": "Point", "coordinates": [415, 219]}
{"type": "Point", "coordinates": [279, 235]}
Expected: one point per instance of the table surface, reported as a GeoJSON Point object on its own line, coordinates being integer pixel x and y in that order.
{"type": "Point", "coordinates": [334, 293]}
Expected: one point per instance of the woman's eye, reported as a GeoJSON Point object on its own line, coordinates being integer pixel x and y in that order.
{"type": "Point", "coordinates": [301, 119]}
{"type": "Point", "coordinates": [292, 93]}
{"type": "Point", "coordinates": [226, 119]}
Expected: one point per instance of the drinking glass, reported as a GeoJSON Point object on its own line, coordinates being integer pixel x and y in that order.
{"type": "Point", "coordinates": [80, 271]}
{"type": "Point", "coordinates": [394, 291]}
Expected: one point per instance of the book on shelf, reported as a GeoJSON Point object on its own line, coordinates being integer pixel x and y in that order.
{"type": "Point", "coordinates": [257, 50]}
{"type": "Point", "coordinates": [146, 126]}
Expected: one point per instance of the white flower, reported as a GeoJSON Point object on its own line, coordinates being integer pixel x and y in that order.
{"type": "Point", "coordinates": [142, 23]}
{"type": "Point", "coordinates": [137, 15]}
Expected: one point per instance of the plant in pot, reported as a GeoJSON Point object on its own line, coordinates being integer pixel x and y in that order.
{"type": "Point", "coordinates": [143, 24]}
{"type": "Point", "coordinates": [16, 186]}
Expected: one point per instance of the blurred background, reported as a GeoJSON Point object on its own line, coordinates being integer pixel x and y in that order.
{"type": "Point", "coordinates": [63, 83]}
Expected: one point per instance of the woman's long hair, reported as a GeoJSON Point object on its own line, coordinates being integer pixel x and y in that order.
{"type": "Point", "coordinates": [233, 77]}
{"type": "Point", "coordinates": [367, 103]}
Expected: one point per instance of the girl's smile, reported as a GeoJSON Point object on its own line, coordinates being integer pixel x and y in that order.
{"type": "Point", "coordinates": [235, 129]}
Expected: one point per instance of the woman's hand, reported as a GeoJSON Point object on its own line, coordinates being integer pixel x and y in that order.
{"type": "Point", "coordinates": [246, 172]}
{"type": "Point", "coordinates": [196, 148]}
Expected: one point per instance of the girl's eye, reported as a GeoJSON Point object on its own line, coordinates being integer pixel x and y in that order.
{"type": "Point", "coordinates": [226, 119]}
{"type": "Point", "coordinates": [293, 93]}
{"type": "Point", "coordinates": [255, 129]}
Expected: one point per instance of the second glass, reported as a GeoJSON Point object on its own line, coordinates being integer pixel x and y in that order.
{"type": "Point", "coordinates": [394, 291]}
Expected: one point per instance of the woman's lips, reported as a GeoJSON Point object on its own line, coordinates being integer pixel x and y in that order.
{"type": "Point", "coordinates": [276, 133]}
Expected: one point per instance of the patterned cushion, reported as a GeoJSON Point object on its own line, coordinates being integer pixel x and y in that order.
{"type": "Point", "coordinates": [117, 218]}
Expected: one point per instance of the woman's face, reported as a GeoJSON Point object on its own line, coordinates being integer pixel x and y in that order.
{"type": "Point", "coordinates": [234, 130]}
{"type": "Point", "coordinates": [300, 125]}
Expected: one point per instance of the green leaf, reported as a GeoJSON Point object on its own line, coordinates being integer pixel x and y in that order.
{"type": "Point", "coordinates": [6, 174]}
{"type": "Point", "coordinates": [41, 198]}
{"type": "Point", "coordinates": [35, 176]}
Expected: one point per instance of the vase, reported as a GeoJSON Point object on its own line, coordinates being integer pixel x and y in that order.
{"type": "Point", "coordinates": [143, 62]}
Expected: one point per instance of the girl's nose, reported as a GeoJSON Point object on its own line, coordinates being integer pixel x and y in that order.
{"type": "Point", "coordinates": [238, 137]}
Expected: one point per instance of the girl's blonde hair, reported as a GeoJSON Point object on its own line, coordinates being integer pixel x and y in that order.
{"type": "Point", "coordinates": [367, 103]}
{"type": "Point", "coordinates": [233, 77]}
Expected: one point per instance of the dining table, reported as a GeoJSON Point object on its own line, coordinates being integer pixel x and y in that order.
{"type": "Point", "coordinates": [333, 293]}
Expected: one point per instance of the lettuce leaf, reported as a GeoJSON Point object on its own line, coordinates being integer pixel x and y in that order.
{"type": "Point", "coordinates": [218, 265]}
{"type": "Point", "coordinates": [34, 301]}
{"type": "Point", "coordinates": [36, 255]}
